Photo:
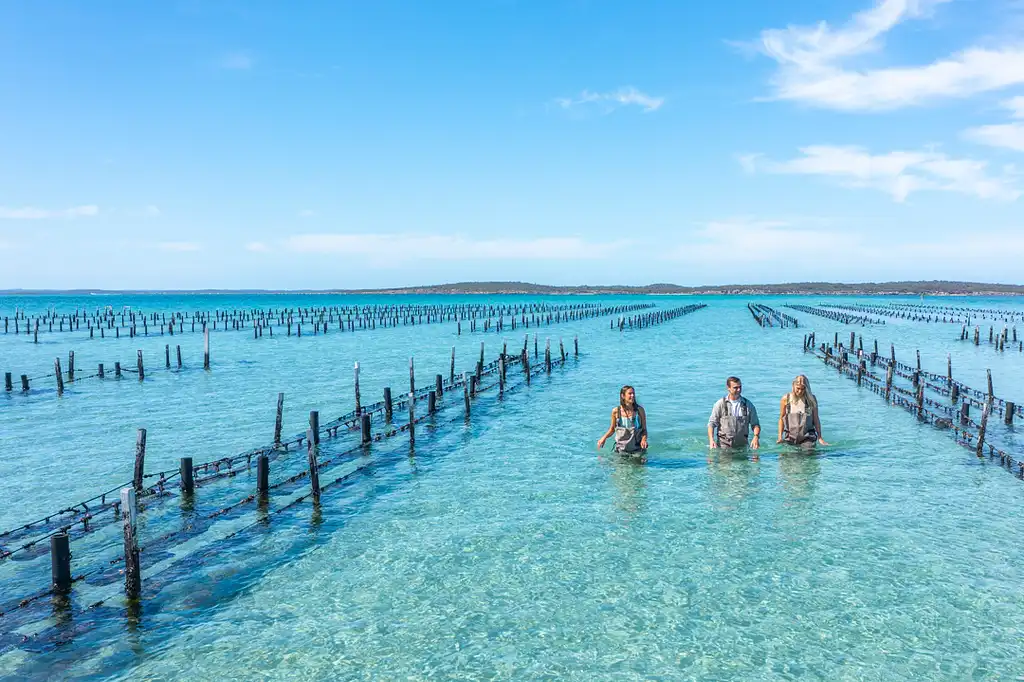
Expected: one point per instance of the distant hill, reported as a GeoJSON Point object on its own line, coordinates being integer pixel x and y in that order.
{"type": "Point", "coordinates": [930, 288]}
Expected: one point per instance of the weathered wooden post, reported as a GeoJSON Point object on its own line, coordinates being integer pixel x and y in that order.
{"type": "Point", "coordinates": [438, 387]}
{"type": "Point", "coordinates": [312, 446]}
{"type": "Point", "coordinates": [954, 393]}
{"type": "Point", "coordinates": [451, 374]}
{"type": "Point", "coordinates": [432, 402]}
{"type": "Point", "coordinates": [71, 365]}
{"type": "Point", "coordinates": [501, 374]}
{"type": "Point", "coordinates": [8, 382]}
{"type": "Point", "coordinates": [365, 428]}
{"type": "Point", "coordinates": [206, 347]}
{"type": "Point", "coordinates": [24, 382]}
{"type": "Point", "coordinates": [179, 355]}
{"type": "Point", "coordinates": [278, 420]}
{"type": "Point", "coordinates": [920, 401]}
{"type": "Point", "coordinates": [412, 380]}
{"type": "Point", "coordinates": [388, 405]}
{"type": "Point", "coordinates": [576, 346]}
{"type": "Point", "coordinates": [140, 459]}
{"type": "Point", "coordinates": [142, 371]}
{"type": "Point", "coordinates": [167, 356]}
{"type": "Point", "coordinates": [1008, 410]}
{"type": "Point", "coordinates": [117, 370]}
{"type": "Point", "coordinates": [262, 475]}
{"type": "Point", "coordinates": [188, 482]}
{"type": "Point", "coordinates": [60, 563]}
{"type": "Point", "coordinates": [561, 350]}
{"type": "Point", "coordinates": [465, 391]}
{"type": "Point", "coordinates": [129, 520]}
{"type": "Point", "coordinates": [888, 381]}
{"type": "Point", "coordinates": [355, 370]}
{"type": "Point", "coordinates": [412, 418]}
{"type": "Point", "coordinates": [965, 412]}
{"type": "Point", "coordinates": [984, 425]}
{"type": "Point", "coordinates": [60, 376]}
{"type": "Point", "coordinates": [547, 356]}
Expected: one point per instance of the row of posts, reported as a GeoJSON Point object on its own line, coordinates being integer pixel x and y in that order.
{"type": "Point", "coordinates": [60, 545]}
{"type": "Point", "coordinates": [101, 373]}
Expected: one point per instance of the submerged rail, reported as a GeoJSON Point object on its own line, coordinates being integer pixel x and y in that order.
{"type": "Point", "coordinates": [767, 316]}
{"type": "Point", "coordinates": [368, 425]}
{"type": "Point", "coordinates": [655, 318]}
{"type": "Point", "coordinates": [927, 409]}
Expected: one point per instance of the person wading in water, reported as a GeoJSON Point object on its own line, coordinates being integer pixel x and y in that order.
{"type": "Point", "coordinates": [733, 416]}
{"type": "Point", "coordinates": [798, 415]}
{"type": "Point", "coordinates": [629, 424]}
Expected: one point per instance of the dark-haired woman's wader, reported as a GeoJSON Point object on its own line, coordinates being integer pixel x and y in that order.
{"type": "Point", "coordinates": [628, 432]}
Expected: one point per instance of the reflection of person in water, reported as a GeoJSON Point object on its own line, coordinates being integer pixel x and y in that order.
{"type": "Point", "coordinates": [629, 424]}
{"type": "Point", "coordinates": [798, 415]}
{"type": "Point", "coordinates": [629, 476]}
{"type": "Point", "coordinates": [732, 476]}
{"type": "Point", "coordinates": [798, 472]}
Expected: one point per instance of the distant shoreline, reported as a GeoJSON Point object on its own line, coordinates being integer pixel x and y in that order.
{"type": "Point", "coordinates": [910, 288]}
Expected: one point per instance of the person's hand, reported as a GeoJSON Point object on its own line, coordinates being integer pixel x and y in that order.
{"type": "Point", "coordinates": [712, 444]}
{"type": "Point", "coordinates": [779, 440]}
{"type": "Point", "coordinates": [755, 444]}
{"type": "Point", "coordinates": [643, 442]}
{"type": "Point", "coordinates": [821, 441]}
{"type": "Point", "coordinates": [600, 443]}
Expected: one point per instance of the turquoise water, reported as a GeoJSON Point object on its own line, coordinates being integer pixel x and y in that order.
{"type": "Point", "coordinates": [508, 548]}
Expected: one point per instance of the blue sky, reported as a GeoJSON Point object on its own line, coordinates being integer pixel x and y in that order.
{"type": "Point", "coordinates": [205, 143]}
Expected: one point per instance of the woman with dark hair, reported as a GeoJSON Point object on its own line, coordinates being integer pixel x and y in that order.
{"type": "Point", "coordinates": [629, 424]}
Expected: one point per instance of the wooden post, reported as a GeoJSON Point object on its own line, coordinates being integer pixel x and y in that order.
{"type": "Point", "coordinates": [561, 350]}
{"type": "Point", "coordinates": [140, 459]}
{"type": "Point", "coordinates": [575, 346]}
{"type": "Point", "coordinates": [355, 370]}
{"type": "Point", "coordinates": [60, 377]}
{"type": "Point", "coordinates": [547, 356]}
{"type": "Point", "coordinates": [860, 372]}
{"type": "Point", "coordinates": [465, 391]}
{"type": "Point", "coordinates": [954, 393]}
{"type": "Point", "coordinates": [451, 373]}
{"type": "Point", "coordinates": [71, 365]}
{"type": "Point", "coordinates": [1009, 409]}
{"type": "Point", "coordinates": [920, 401]}
{"type": "Point", "coordinates": [472, 385]}
{"type": "Point", "coordinates": [365, 428]}
{"type": "Point", "coordinates": [167, 356]}
{"type": "Point", "coordinates": [60, 563]}
{"type": "Point", "coordinates": [206, 347]}
{"type": "Point", "coordinates": [278, 420]}
{"type": "Point", "coordinates": [262, 475]}
{"type": "Point", "coordinates": [949, 368]}
{"type": "Point", "coordinates": [432, 402]}
{"type": "Point", "coordinates": [129, 517]}
{"type": "Point", "coordinates": [965, 412]}
{"type": "Point", "coordinates": [188, 483]}
{"type": "Point", "coordinates": [8, 382]}
{"type": "Point", "coordinates": [501, 374]}
{"type": "Point", "coordinates": [312, 445]}
{"type": "Point", "coordinates": [24, 382]}
{"type": "Point", "coordinates": [388, 406]}
{"type": "Point", "coordinates": [412, 380]}
{"type": "Point", "coordinates": [179, 356]}
{"type": "Point", "coordinates": [984, 425]}
{"type": "Point", "coordinates": [438, 387]}
{"type": "Point", "coordinates": [888, 381]}
{"type": "Point", "coordinates": [142, 371]}
{"type": "Point", "coordinates": [117, 370]}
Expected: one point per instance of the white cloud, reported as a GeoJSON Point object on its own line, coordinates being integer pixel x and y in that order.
{"type": "Point", "coordinates": [257, 247]}
{"type": "Point", "coordinates": [812, 70]}
{"type": "Point", "coordinates": [1006, 135]}
{"type": "Point", "coordinates": [897, 173]}
{"type": "Point", "coordinates": [749, 240]}
{"type": "Point", "coordinates": [179, 246]}
{"type": "Point", "coordinates": [236, 61]}
{"type": "Point", "coordinates": [33, 213]}
{"type": "Point", "coordinates": [612, 100]}
{"type": "Point", "coordinates": [385, 249]}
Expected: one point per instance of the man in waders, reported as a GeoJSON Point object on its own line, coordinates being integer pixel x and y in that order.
{"type": "Point", "coordinates": [733, 416]}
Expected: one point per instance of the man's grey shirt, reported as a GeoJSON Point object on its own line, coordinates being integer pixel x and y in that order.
{"type": "Point", "coordinates": [725, 406]}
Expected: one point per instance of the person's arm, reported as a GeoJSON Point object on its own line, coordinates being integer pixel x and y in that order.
{"type": "Point", "coordinates": [611, 429]}
{"type": "Point", "coordinates": [713, 422]}
{"type": "Point", "coordinates": [782, 417]}
{"type": "Point", "coordinates": [756, 442]}
{"type": "Point", "coordinates": [643, 427]}
{"type": "Point", "coordinates": [817, 425]}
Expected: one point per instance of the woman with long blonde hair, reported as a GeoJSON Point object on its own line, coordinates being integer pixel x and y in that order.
{"type": "Point", "coordinates": [799, 423]}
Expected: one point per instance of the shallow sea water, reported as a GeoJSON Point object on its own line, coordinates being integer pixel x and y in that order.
{"type": "Point", "coordinates": [508, 547]}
